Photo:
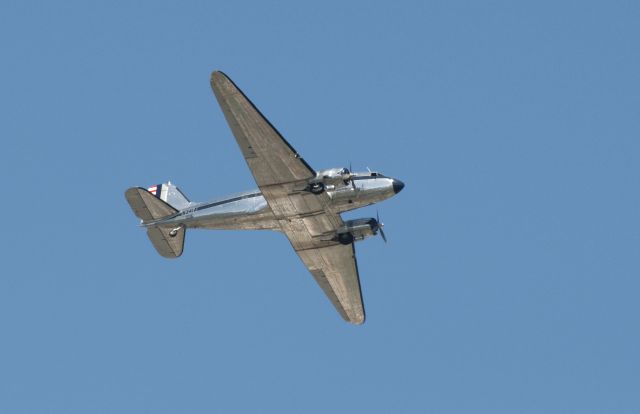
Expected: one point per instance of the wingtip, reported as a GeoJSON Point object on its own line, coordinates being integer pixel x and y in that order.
{"type": "Point", "coordinates": [221, 83]}
{"type": "Point", "coordinates": [218, 76]}
{"type": "Point", "coordinates": [356, 319]}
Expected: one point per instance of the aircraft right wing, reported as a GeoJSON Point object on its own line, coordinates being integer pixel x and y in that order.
{"type": "Point", "coordinates": [333, 266]}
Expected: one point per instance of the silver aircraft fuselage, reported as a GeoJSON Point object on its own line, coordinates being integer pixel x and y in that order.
{"type": "Point", "coordinates": [249, 210]}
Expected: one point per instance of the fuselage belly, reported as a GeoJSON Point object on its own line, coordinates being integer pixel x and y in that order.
{"type": "Point", "coordinates": [250, 211]}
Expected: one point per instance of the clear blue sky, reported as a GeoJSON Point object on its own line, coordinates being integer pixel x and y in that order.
{"type": "Point", "coordinates": [510, 281]}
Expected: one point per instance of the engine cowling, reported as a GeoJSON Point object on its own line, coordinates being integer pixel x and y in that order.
{"type": "Point", "coordinates": [358, 229]}
{"type": "Point", "coordinates": [332, 176]}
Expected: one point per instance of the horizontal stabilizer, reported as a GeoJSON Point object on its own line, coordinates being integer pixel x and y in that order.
{"type": "Point", "coordinates": [168, 246]}
{"type": "Point", "coordinates": [146, 206]}
{"type": "Point", "coordinates": [169, 242]}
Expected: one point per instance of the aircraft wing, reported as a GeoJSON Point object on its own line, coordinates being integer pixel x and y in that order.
{"type": "Point", "coordinates": [333, 266]}
{"type": "Point", "coordinates": [270, 157]}
{"type": "Point", "coordinates": [305, 218]}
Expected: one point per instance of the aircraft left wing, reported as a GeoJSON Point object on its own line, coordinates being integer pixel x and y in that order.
{"type": "Point", "coordinates": [305, 218]}
{"type": "Point", "coordinates": [271, 159]}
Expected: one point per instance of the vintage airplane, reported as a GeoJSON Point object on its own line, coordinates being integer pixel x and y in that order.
{"type": "Point", "coordinates": [292, 198]}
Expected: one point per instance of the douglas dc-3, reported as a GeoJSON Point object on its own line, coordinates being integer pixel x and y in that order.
{"type": "Point", "coordinates": [292, 198]}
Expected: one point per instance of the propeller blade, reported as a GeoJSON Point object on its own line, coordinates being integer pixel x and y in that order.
{"type": "Point", "coordinates": [382, 234]}
{"type": "Point", "coordinates": [350, 177]}
{"type": "Point", "coordinates": [380, 226]}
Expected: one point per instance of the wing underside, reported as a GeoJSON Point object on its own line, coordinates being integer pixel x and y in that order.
{"type": "Point", "coordinates": [271, 158]}
{"type": "Point", "coordinates": [305, 218]}
{"type": "Point", "coordinates": [335, 269]}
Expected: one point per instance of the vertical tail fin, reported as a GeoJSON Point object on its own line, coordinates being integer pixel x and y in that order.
{"type": "Point", "coordinates": [170, 194]}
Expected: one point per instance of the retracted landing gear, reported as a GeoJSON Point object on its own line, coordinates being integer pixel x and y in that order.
{"type": "Point", "coordinates": [316, 188]}
{"type": "Point", "coordinates": [345, 238]}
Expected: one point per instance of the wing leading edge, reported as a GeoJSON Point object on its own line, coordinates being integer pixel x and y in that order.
{"type": "Point", "coordinates": [271, 158]}
{"type": "Point", "coordinates": [305, 218]}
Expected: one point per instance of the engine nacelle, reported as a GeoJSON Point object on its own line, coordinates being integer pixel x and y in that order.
{"type": "Point", "coordinates": [332, 176]}
{"type": "Point", "coordinates": [358, 229]}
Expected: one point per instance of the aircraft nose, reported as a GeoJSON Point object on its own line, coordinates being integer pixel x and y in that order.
{"type": "Point", "coordinates": [397, 186]}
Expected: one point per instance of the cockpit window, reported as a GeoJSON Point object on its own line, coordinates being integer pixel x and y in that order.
{"type": "Point", "coordinates": [376, 174]}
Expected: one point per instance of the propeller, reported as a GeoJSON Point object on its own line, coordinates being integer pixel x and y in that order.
{"type": "Point", "coordinates": [348, 177]}
{"type": "Point", "coordinates": [380, 226]}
